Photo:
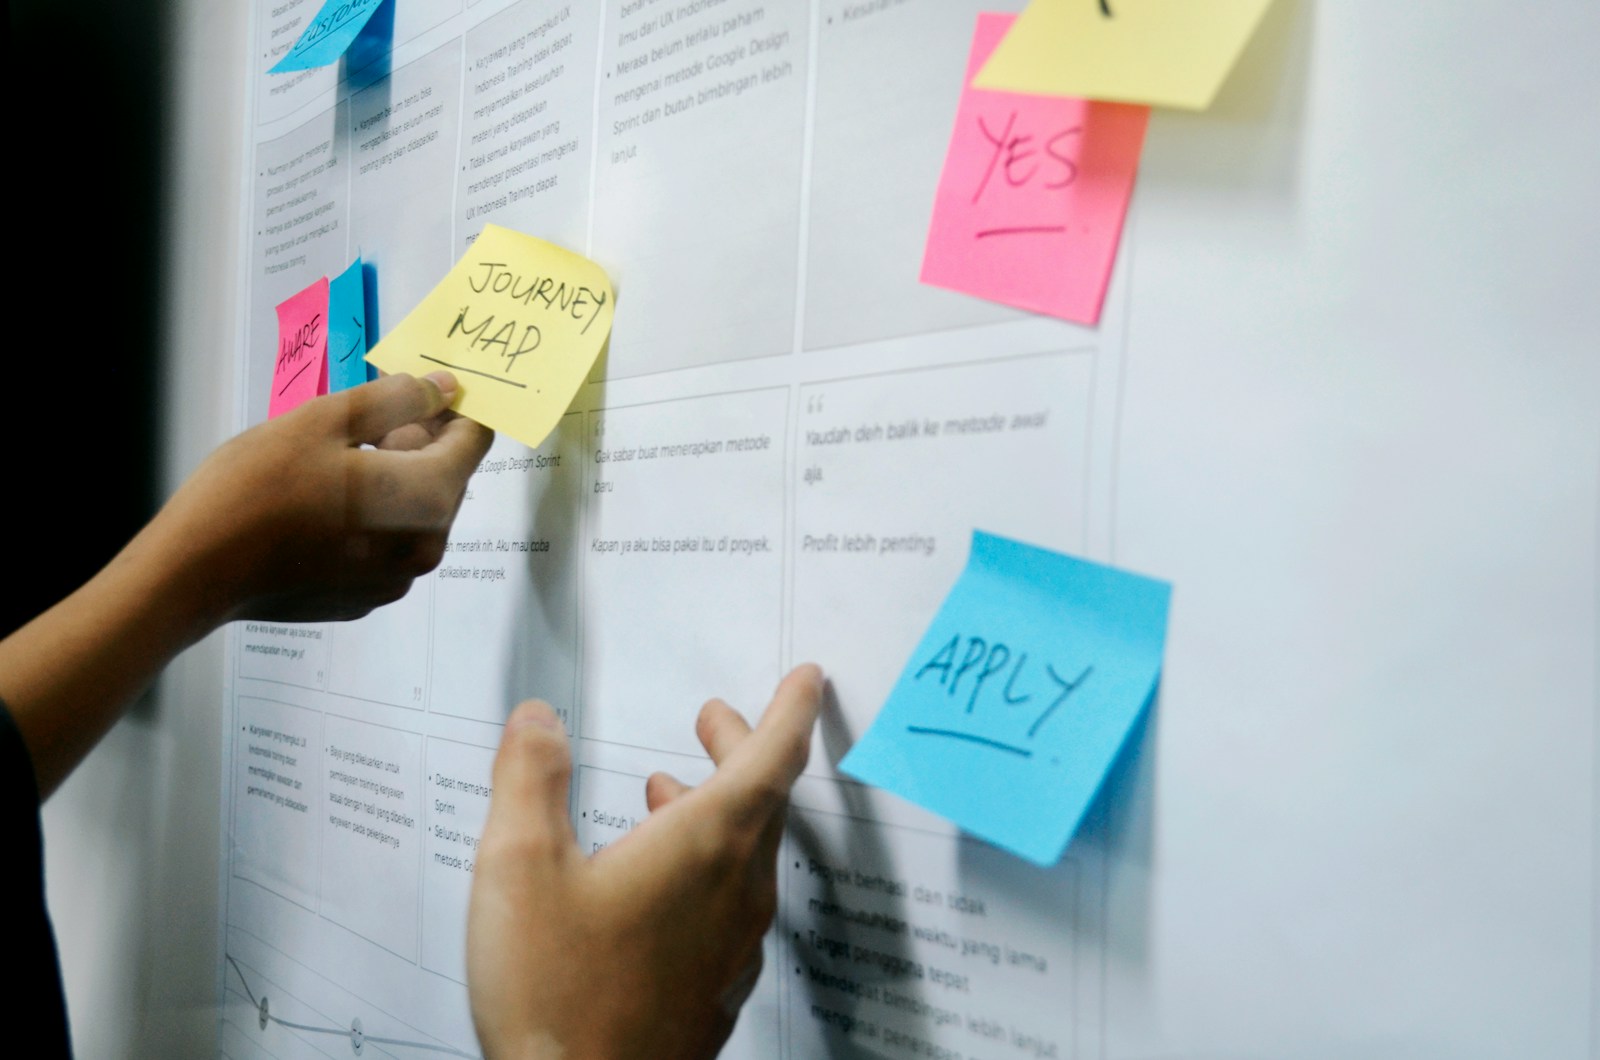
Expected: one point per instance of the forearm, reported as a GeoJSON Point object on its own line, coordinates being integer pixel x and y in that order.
{"type": "Point", "coordinates": [69, 674]}
{"type": "Point", "coordinates": [291, 520]}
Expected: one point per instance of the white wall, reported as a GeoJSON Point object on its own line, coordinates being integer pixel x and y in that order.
{"type": "Point", "coordinates": [1361, 435]}
{"type": "Point", "coordinates": [1393, 223]}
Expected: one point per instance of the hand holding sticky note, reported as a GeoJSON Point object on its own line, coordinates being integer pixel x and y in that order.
{"type": "Point", "coordinates": [1033, 195]}
{"type": "Point", "coordinates": [520, 321]}
{"type": "Point", "coordinates": [1021, 694]}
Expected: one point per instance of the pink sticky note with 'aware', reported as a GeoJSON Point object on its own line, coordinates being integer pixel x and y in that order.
{"type": "Point", "coordinates": [300, 372]}
{"type": "Point", "coordinates": [1033, 194]}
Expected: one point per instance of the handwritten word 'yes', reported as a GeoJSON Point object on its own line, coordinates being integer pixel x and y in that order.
{"type": "Point", "coordinates": [1018, 162]}
{"type": "Point", "coordinates": [989, 662]}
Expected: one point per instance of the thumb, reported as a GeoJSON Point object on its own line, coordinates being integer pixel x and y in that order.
{"type": "Point", "coordinates": [374, 409]}
{"type": "Point", "coordinates": [532, 774]}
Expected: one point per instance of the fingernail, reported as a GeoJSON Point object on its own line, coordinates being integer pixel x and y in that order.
{"type": "Point", "coordinates": [445, 382]}
{"type": "Point", "coordinates": [534, 712]}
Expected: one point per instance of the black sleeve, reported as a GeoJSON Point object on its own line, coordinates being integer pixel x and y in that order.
{"type": "Point", "coordinates": [36, 993]}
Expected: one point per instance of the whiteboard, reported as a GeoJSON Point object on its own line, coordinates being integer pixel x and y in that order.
{"type": "Point", "coordinates": [1344, 398]}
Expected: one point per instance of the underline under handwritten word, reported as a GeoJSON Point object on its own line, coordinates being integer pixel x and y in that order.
{"type": "Point", "coordinates": [998, 745]}
{"type": "Point", "coordinates": [474, 371]}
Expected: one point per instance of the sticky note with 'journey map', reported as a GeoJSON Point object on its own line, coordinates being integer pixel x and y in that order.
{"type": "Point", "coordinates": [328, 35]}
{"type": "Point", "coordinates": [1168, 53]}
{"type": "Point", "coordinates": [300, 371]}
{"type": "Point", "coordinates": [519, 321]}
{"type": "Point", "coordinates": [1020, 696]}
{"type": "Point", "coordinates": [1033, 195]}
{"type": "Point", "coordinates": [347, 329]}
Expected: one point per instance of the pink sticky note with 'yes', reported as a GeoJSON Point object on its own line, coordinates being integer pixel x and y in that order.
{"type": "Point", "coordinates": [1033, 194]}
{"type": "Point", "coordinates": [300, 372]}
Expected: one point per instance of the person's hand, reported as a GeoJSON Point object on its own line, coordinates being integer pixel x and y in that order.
{"type": "Point", "coordinates": [290, 520]}
{"type": "Point", "coordinates": [648, 948]}
{"type": "Point", "coordinates": [295, 521]}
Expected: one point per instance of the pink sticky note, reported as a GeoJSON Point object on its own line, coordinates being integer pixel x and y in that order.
{"type": "Point", "coordinates": [1033, 194]}
{"type": "Point", "coordinates": [301, 371]}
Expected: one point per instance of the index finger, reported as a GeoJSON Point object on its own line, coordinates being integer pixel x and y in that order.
{"type": "Point", "coordinates": [454, 452]}
{"type": "Point", "coordinates": [376, 408]}
{"type": "Point", "coordinates": [765, 764]}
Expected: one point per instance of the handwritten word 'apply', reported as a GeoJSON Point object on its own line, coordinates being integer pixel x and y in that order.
{"type": "Point", "coordinates": [1020, 696]}
{"type": "Point", "coordinates": [990, 660]}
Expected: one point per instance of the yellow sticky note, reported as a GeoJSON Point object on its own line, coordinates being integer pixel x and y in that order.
{"type": "Point", "coordinates": [518, 321]}
{"type": "Point", "coordinates": [1166, 53]}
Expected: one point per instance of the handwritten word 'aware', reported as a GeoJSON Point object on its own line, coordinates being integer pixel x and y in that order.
{"type": "Point", "coordinates": [293, 347]}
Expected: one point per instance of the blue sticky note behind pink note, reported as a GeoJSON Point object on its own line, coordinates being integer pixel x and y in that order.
{"type": "Point", "coordinates": [1020, 696]}
{"type": "Point", "coordinates": [347, 330]}
{"type": "Point", "coordinates": [1033, 194]}
{"type": "Point", "coordinates": [300, 371]}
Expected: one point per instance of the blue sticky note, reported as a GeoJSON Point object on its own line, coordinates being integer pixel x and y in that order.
{"type": "Point", "coordinates": [1020, 696]}
{"type": "Point", "coordinates": [330, 32]}
{"type": "Point", "coordinates": [347, 330]}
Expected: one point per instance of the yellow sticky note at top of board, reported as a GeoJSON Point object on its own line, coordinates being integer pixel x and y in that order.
{"type": "Point", "coordinates": [1166, 53]}
{"type": "Point", "coordinates": [518, 321]}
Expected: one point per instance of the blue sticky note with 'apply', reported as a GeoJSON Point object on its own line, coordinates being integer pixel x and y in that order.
{"type": "Point", "coordinates": [347, 330]}
{"type": "Point", "coordinates": [329, 35]}
{"type": "Point", "coordinates": [1020, 696]}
